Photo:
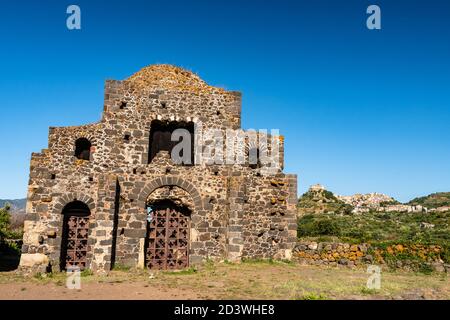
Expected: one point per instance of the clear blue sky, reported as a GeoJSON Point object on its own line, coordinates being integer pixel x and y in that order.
{"type": "Point", "coordinates": [361, 110]}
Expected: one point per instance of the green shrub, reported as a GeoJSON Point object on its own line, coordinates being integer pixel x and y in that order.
{"type": "Point", "coordinates": [310, 226]}
{"type": "Point", "coordinates": [314, 296]}
{"type": "Point", "coordinates": [188, 271]}
{"type": "Point", "coordinates": [425, 268]}
{"type": "Point", "coordinates": [327, 228]}
{"type": "Point", "coordinates": [86, 273]}
{"type": "Point", "coordinates": [374, 227]}
{"type": "Point", "coordinates": [7, 247]}
{"type": "Point", "coordinates": [12, 248]}
{"type": "Point", "coordinates": [121, 267]}
{"type": "Point", "coordinates": [5, 221]}
{"type": "Point", "coordinates": [445, 256]}
{"type": "Point", "coordinates": [365, 290]}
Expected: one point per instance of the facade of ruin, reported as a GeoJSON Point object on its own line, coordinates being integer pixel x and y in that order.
{"type": "Point", "coordinates": [109, 193]}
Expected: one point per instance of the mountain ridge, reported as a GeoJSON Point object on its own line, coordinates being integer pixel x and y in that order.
{"type": "Point", "coordinates": [17, 206]}
{"type": "Point", "coordinates": [319, 200]}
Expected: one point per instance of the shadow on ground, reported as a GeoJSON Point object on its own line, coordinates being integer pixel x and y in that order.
{"type": "Point", "coordinates": [9, 261]}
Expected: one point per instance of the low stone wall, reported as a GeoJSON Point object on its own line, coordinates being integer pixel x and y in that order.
{"type": "Point", "coordinates": [354, 255]}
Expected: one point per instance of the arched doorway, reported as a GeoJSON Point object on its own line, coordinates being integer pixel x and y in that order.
{"type": "Point", "coordinates": [167, 241]}
{"type": "Point", "coordinates": [74, 245]}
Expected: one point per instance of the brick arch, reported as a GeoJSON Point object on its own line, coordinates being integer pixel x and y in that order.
{"type": "Point", "coordinates": [69, 197]}
{"type": "Point", "coordinates": [171, 181]}
{"type": "Point", "coordinates": [91, 136]}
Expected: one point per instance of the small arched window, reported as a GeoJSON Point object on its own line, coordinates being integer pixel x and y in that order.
{"type": "Point", "coordinates": [83, 149]}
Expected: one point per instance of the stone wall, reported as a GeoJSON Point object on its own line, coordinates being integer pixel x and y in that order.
{"type": "Point", "coordinates": [407, 257]}
{"type": "Point", "coordinates": [237, 212]}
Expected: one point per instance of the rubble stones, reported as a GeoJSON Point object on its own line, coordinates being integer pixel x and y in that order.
{"type": "Point", "coordinates": [325, 253]}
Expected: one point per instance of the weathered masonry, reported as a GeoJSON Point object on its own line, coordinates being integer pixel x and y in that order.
{"type": "Point", "coordinates": [108, 193]}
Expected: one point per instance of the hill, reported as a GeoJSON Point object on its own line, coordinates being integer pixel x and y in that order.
{"type": "Point", "coordinates": [318, 200]}
{"type": "Point", "coordinates": [433, 201]}
{"type": "Point", "coordinates": [383, 222]}
{"type": "Point", "coordinates": [17, 206]}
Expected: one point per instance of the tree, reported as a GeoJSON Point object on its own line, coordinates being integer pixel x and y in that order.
{"type": "Point", "coordinates": [5, 220]}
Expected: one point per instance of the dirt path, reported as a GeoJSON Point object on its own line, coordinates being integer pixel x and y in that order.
{"type": "Point", "coordinates": [260, 280]}
{"type": "Point", "coordinates": [91, 291]}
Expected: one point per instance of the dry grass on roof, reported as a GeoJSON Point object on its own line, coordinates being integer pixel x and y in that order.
{"type": "Point", "coordinates": [171, 77]}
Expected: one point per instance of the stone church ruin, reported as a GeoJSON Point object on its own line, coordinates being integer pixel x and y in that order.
{"type": "Point", "coordinates": [108, 193]}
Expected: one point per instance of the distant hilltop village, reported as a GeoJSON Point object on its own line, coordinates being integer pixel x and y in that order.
{"type": "Point", "coordinates": [360, 203]}
{"type": "Point", "coordinates": [378, 202]}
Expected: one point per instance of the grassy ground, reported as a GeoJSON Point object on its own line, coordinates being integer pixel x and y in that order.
{"type": "Point", "coordinates": [248, 280]}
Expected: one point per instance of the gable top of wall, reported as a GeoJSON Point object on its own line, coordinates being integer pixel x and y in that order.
{"type": "Point", "coordinates": [166, 76]}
